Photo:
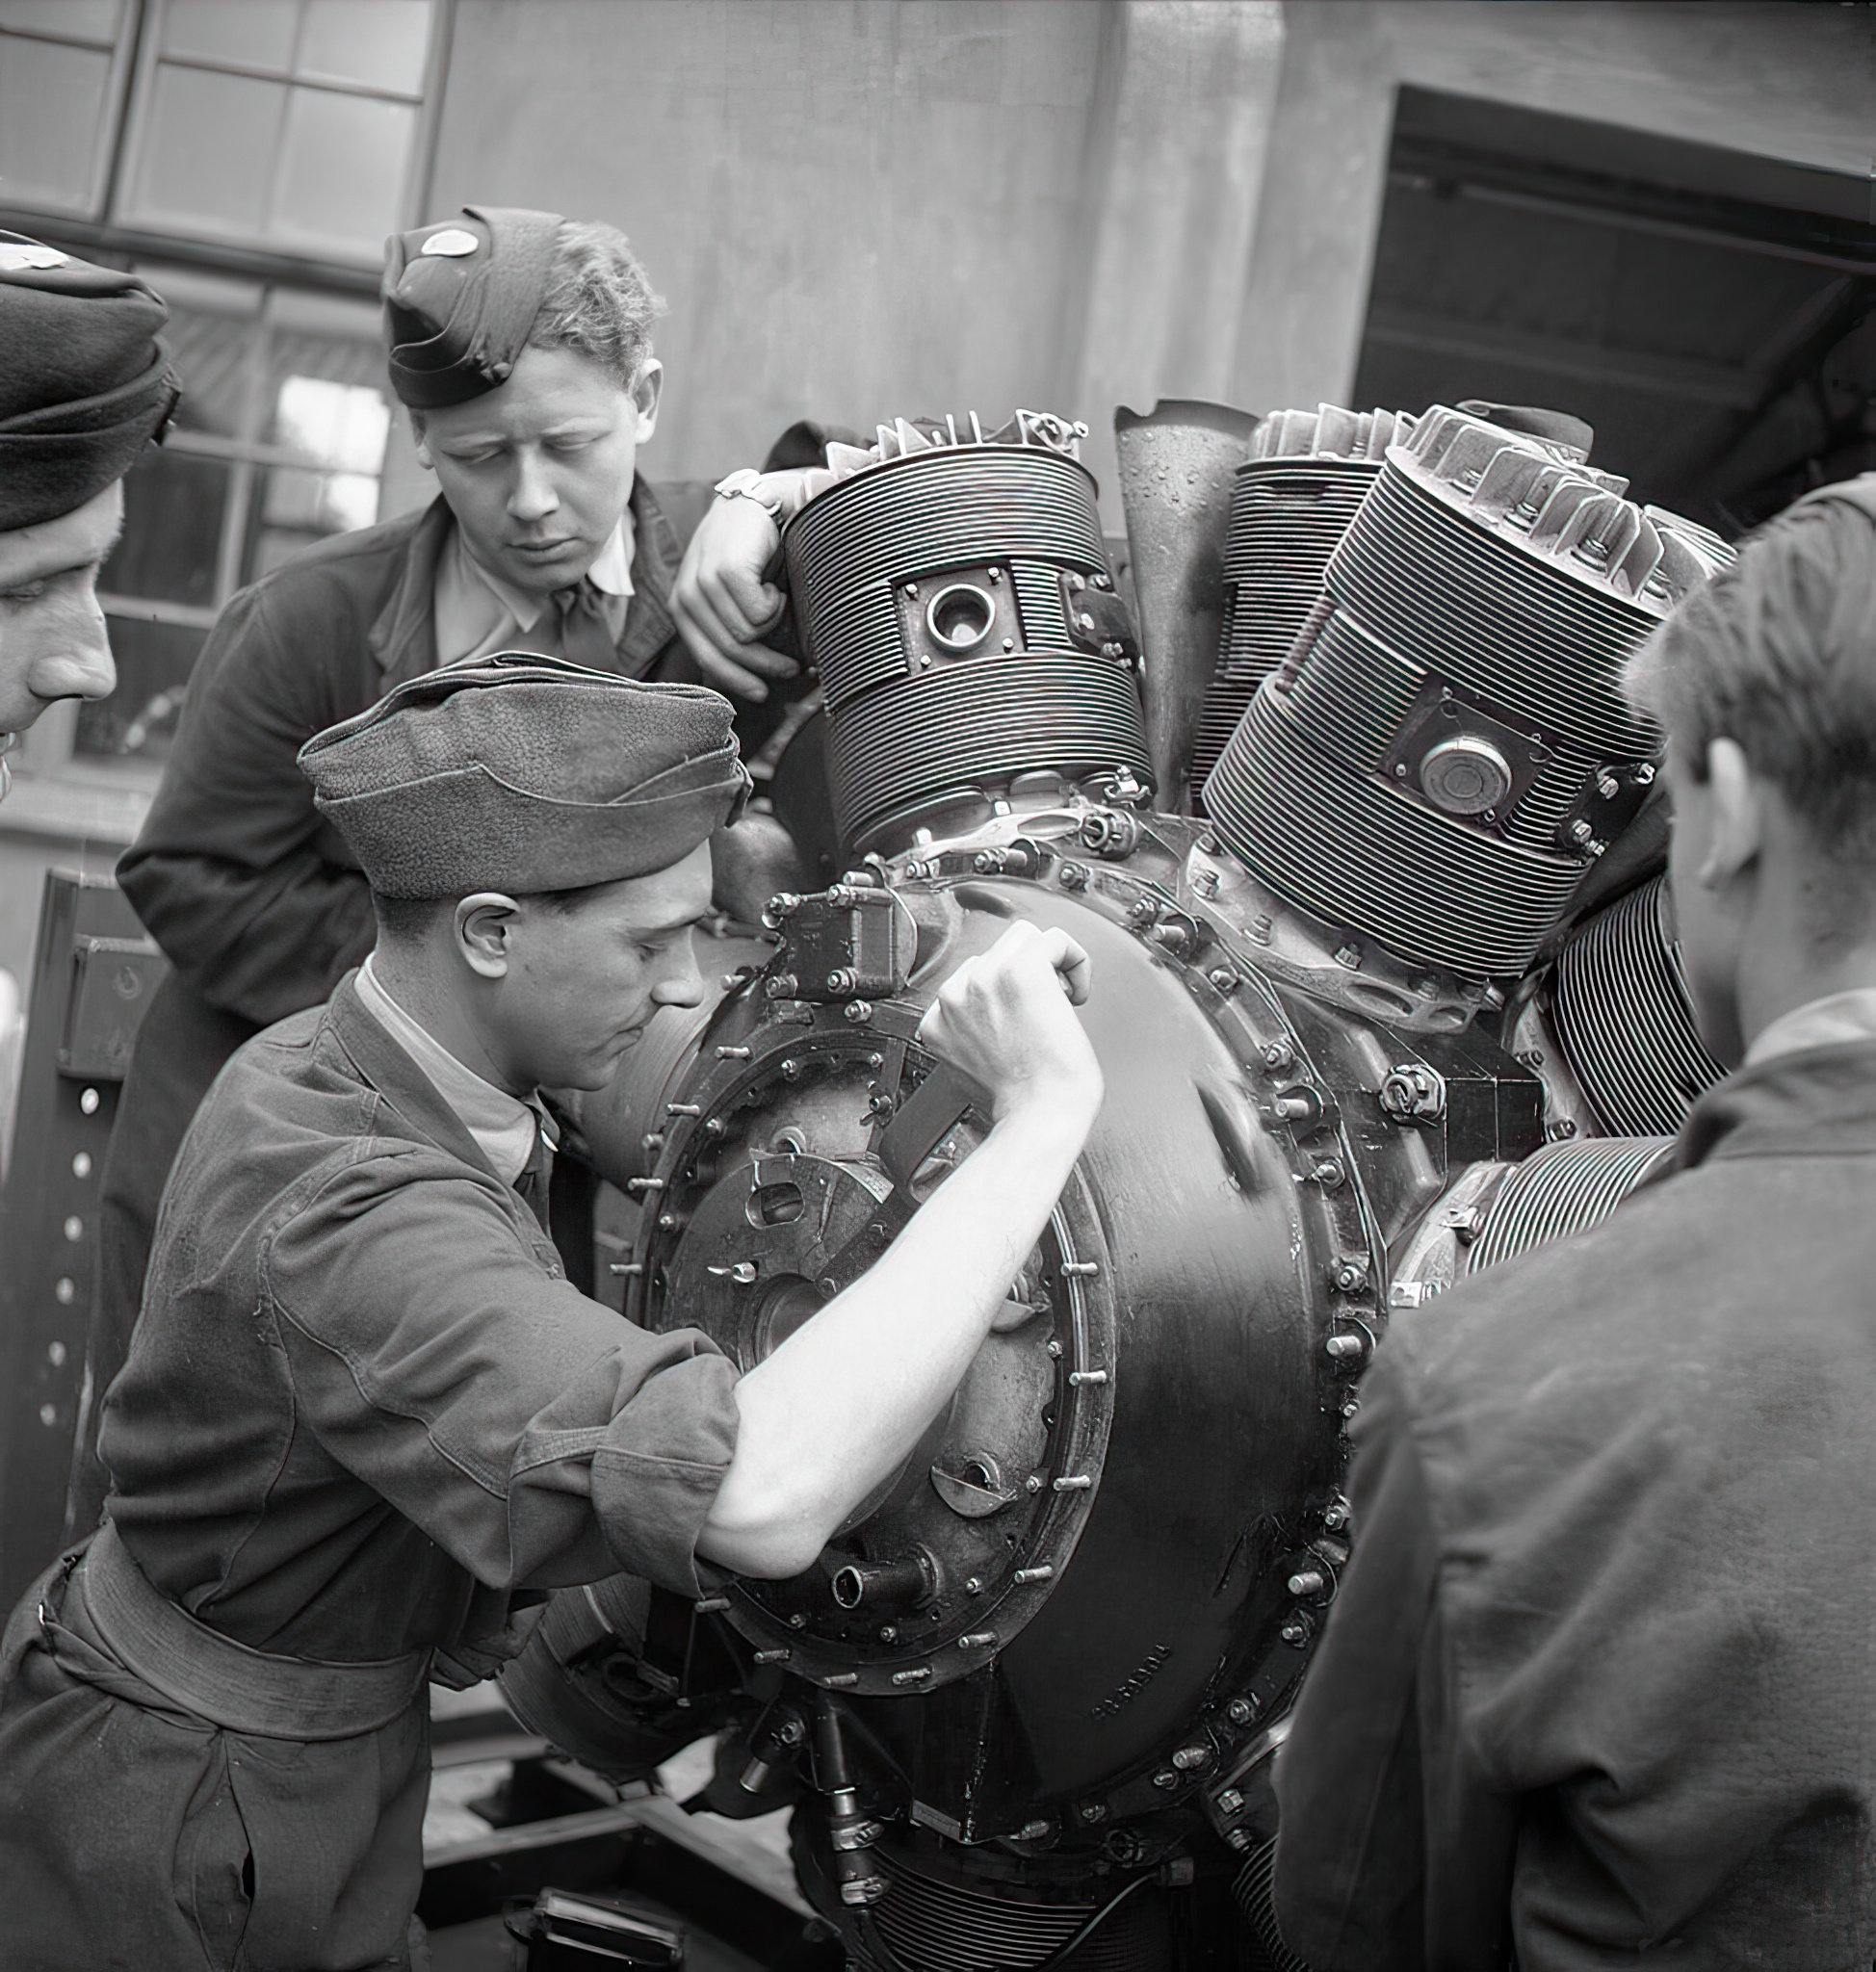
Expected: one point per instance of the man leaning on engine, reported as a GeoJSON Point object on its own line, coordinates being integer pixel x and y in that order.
{"type": "Point", "coordinates": [366, 1419]}
{"type": "Point", "coordinates": [521, 343]}
{"type": "Point", "coordinates": [1599, 1679]}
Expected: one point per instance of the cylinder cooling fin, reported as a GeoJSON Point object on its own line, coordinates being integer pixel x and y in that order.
{"type": "Point", "coordinates": [1624, 1018]}
{"type": "Point", "coordinates": [1294, 496]}
{"type": "Point", "coordinates": [954, 595]}
{"type": "Point", "coordinates": [1446, 747]}
{"type": "Point", "coordinates": [1561, 1189]}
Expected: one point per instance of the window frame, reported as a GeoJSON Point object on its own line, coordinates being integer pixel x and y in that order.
{"type": "Point", "coordinates": [134, 123]}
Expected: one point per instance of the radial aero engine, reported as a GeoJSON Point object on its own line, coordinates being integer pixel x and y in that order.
{"type": "Point", "coordinates": [1364, 1021]}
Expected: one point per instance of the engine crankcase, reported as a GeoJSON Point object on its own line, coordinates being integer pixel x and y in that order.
{"type": "Point", "coordinates": [1100, 1571]}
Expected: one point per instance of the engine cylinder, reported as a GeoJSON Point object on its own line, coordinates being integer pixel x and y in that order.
{"type": "Point", "coordinates": [958, 605]}
{"type": "Point", "coordinates": [1295, 497]}
{"type": "Point", "coordinates": [1624, 1018]}
{"type": "Point", "coordinates": [1446, 748]}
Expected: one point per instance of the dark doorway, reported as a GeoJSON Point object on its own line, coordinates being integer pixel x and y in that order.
{"type": "Point", "coordinates": [1710, 313]}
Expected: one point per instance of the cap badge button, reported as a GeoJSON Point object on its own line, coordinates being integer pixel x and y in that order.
{"type": "Point", "coordinates": [451, 243]}
{"type": "Point", "coordinates": [15, 254]}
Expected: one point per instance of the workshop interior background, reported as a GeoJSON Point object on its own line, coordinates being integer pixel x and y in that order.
{"type": "Point", "coordinates": [1658, 216]}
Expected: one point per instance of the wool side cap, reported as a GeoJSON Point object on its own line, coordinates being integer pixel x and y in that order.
{"type": "Point", "coordinates": [519, 773]}
{"type": "Point", "coordinates": [459, 300]}
{"type": "Point", "coordinates": [85, 384]}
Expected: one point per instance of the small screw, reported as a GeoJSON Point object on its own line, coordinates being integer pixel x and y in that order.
{"type": "Point", "coordinates": [1241, 1712]}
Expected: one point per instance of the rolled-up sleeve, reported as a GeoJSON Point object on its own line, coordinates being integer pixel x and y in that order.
{"type": "Point", "coordinates": [535, 1436]}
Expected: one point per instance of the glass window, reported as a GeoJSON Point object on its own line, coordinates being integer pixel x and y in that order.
{"type": "Point", "coordinates": [206, 159]}
{"type": "Point", "coordinates": [341, 174]}
{"type": "Point", "coordinates": [253, 33]}
{"type": "Point", "coordinates": [290, 125]}
{"type": "Point", "coordinates": [380, 43]}
{"type": "Point", "coordinates": [279, 122]}
{"type": "Point", "coordinates": [59, 69]}
{"type": "Point", "coordinates": [279, 442]}
{"type": "Point", "coordinates": [77, 20]}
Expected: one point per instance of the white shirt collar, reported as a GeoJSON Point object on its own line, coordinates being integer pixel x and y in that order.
{"type": "Point", "coordinates": [477, 613]}
{"type": "Point", "coordinates": [504, 1127]}
{"type": "Point", "coordinates": [1826, 1022]}
{"type": "Point", "coordinates": [610, 574]}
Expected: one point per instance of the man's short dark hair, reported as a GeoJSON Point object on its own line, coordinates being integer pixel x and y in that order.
{"type": "Point", "coordinates": [407, 919]}
{"type": "Point", "coordinates": [1778, 653]}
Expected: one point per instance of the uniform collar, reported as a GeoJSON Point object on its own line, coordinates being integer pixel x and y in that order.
{"type": "Point", "coordinates": [1813, 1100]}
{"type": "Point", "coordinates": [1834, 1019]}
{"type": "Point", "coordinates": [610, 574]}
{"type": "Point", "coordinates": [506, 1128]}
{"type": "Point", "coordinates": [386, 1067]}
{"type": "Point", "coordinates": [402, 640]}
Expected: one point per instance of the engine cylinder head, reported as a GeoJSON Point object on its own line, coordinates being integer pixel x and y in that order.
{"type": "Point", "coordinates": [957, 603]}
{"type": "Point", "coordinates": [1474, 622]}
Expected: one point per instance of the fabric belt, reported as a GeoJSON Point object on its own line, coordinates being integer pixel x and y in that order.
{"type": "Point", "coordinates": [223, 1682]}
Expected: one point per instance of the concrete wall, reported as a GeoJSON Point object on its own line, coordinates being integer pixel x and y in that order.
{"type": "Point", "coordinates": [859, 208]}
{"type": "Point", "coordinates": [864, 208]}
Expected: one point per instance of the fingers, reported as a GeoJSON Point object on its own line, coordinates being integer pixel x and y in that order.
{"type": "Point", "coordinates": [1071, 964]}
{"type": "Point", "coordinates": [721, 604]}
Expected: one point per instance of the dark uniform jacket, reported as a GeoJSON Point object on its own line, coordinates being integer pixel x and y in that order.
{"type": "Point", "coordinates": [257, 902]}
{"type": "Point", "coordinates": [1601, 1679]}
{"type": "Point", "coordinates": [362, 1411]}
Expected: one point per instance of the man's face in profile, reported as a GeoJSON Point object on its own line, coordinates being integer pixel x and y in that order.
{"type": "Point", "coordinates": [53, 643]}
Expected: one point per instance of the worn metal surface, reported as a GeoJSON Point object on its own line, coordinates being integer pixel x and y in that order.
{"type": "Point", "coordinates": [1177, 468]}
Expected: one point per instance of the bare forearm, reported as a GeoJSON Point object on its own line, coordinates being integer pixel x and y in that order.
{"type": "Point", "coordinates": [831, 1412]}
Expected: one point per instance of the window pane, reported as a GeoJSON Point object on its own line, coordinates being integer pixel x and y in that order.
{"type": "Point", "coordinates": [211, 355]}
{"type": "Point", "coordinates": [256, 32]}
{"type": "Point", "coordinates": [341, 180]}
{"type": "Point", "coordinates": [52, 104]}
{"type": "Point", "coordinates": [154, 660]}
{"type": "Point", "coordinates": [208, 151]}
{"type": "Point", "coordinates": [341, 424]}
{"type": "Point", "coordinates": [319, 503]}
{"type": "Point", "coordinates": [88, 20]}
{"type": "Point", "coordinates": [173, 504]}
{"type": "Point", "coordinates": [379, 43]}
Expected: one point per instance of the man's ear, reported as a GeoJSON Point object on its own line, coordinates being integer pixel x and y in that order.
{"type": "Point", "coordinates": [1738, 815]}
{"type": "Point", "coordinates": [484, 928]}
{"type": "Point", "coordinates": [647, 393]}
{"type": "Point", "coordinates": [420, 442]}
